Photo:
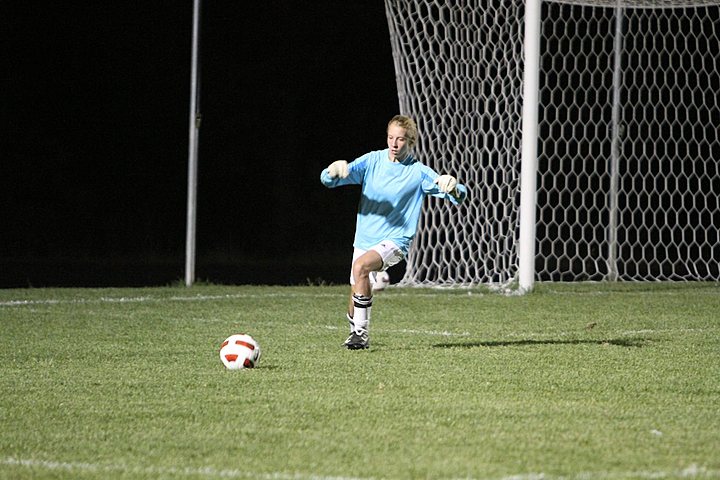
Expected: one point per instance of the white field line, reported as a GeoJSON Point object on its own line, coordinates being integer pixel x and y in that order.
{"type": "Point", "coordinates": [692, 471]}
{"type": "Point", "coordinates": [702, 288]}
{"type": "Point", "coordinates": [524, 335]}
{"type": "Point", "coordinates": [208, 472]}
{"type": "Point", "coordinates": [439, 292]}
{"type": "Point", "coordinates": [204, 298]}
{"type": "Point", "coordinates": [443, 333]}
{"type": "Point", "coordinates": [148, 299]}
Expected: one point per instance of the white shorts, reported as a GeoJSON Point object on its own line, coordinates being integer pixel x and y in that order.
{"type": "Point", "coordinates": [388, 251]}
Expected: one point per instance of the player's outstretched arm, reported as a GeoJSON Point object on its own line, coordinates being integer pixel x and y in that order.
{"type": "Point", "coordinates": [338, 169]}
{"type": "Point", "coordinates": [335, 174]}
{"type": "Point", "coordinates": [446, 183]}
{"type": "Point", "coordinates": [340, 172]}
{"type": "Point", "coordinates": [449, 184]}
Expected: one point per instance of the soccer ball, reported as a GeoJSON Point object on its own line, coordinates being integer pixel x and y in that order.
{"type": "Point", "coordinates": [381, 281]}
{"type": "Point", "coordinates": [240, 351]}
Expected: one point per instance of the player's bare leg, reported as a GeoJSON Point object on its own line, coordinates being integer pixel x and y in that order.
{"type": "Point", "coordinates": [360, 304]}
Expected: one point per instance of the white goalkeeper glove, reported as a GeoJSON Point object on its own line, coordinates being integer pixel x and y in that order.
{"type": "Point", "coordinates": [446, 183]}
{"type": "Point", "coordinates": [338, 169]}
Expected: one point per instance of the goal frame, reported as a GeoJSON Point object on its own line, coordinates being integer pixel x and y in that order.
{"type": "Point", "coordinates": [521, 273]}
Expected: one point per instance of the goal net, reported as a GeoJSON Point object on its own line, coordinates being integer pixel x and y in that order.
{"type": "Point", "coordinates": [628, 144]}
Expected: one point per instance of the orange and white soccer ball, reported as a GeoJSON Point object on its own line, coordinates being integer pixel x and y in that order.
{"type": "Point", "coordinates": [240, 351]}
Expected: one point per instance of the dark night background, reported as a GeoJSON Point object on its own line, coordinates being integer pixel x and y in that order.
{"type": "Point", "coordinates": [94, 151]}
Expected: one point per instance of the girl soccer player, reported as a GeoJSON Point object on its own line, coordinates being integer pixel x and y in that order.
{"type": "Point", "coordinates": [393, 186]}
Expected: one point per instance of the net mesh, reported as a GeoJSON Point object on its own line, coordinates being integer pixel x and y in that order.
{"type": "Point", "coordinates": [628, 148]}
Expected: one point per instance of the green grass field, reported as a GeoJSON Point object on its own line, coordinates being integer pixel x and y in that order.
{"type": "Point", "coordinates": [589, 381]}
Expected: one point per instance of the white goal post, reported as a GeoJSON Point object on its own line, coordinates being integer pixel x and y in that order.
{"type": "Point", "coordinates": [588, 133]}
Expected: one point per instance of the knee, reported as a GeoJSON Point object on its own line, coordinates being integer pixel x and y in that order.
{"type": "Point", "coordinates": [361, 269]}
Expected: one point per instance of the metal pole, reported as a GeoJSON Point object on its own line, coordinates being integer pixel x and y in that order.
{"type": "Point", "coordinates": [612, 274]}
{"type": "Point", "coordinates": [193, 150]}
{"type": "Point", "coordinates": [528, 181]}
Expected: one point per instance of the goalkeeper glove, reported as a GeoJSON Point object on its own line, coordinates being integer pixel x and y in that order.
{"type": "Point", "coordinates": [446, 183]}
{"type": "Point", "coordinates": [338, 169]}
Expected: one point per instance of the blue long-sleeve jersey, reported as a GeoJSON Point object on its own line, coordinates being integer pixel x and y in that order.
{"type": "Point", "coordinates": [391, 198]}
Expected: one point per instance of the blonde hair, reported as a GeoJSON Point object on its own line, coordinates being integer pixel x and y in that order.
{"type": "Point", "coordinates": [409, 125]}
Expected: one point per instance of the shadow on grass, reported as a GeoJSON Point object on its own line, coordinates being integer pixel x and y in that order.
{"type": "Point", "coordinates": [619, 342]}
